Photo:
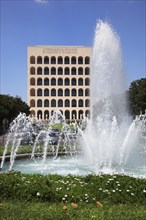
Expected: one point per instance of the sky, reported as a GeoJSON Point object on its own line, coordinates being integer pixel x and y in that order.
{"type": "Point", "coordinates": [26, 23]}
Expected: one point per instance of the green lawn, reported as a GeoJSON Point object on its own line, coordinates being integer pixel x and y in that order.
{"type": "Point", "coordinates": [35, 196]}
{"type": "Point", "coordinates": [13, 210]}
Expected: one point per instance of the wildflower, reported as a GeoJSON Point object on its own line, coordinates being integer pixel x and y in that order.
{"type": "Point", "coordinates": [74, 205]}
{"type": "Point", "coordinates": [132, 194]}
{"type": "Point", "coordinates": [144, 190]}
{"type": "Point", "coordinates": [63, 198]}
{"type": "Point", "coordinates": [98, 203]}
{"type": "Point", "coordinates": [114, 190]}
{"type": "Point", "coordinates": [127, 190]}
{"type": "Point", "coordinates": [65, 195]}
{"type": "Point", "coordinates": [38, 194]}
{"type": "Point", "coordinates": [65, 207]}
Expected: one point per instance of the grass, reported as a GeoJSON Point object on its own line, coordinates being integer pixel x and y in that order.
{"type": "Point", "coordinates": [25, 196]}
{"type": "Point", "coordinates": [13, 210]}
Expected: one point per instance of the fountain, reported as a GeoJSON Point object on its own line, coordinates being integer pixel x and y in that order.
{"type": "Point", "coordinates": [111, 141]}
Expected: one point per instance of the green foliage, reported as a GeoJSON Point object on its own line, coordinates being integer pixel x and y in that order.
{"type": "Point", "coordinates": [10, 107]}
{"type": "Point", "coordinates": [25, 196]}
{"type": "Point", "coordinates": [137, 96]}
{"type": "Point", "coordinates": [108, 189]}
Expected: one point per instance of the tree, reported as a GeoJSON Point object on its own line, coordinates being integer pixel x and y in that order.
{"type": "Point", "coordinates": [10, 107]}
{"type": "Point", "coordinates": [137, 96]}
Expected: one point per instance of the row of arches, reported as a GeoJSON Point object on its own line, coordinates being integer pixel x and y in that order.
{"type": "Point", "coordinates": [60, 92]}
{"type": "Point", "coordinates": [59, 71]}
{"type": "Point", "coordinates": [60, 82]}
{"type": "Point", "coordinates": [60, 103]}
{"type": "Point", "coordinates": [69, 115]}
{"type": "Point", "coordinates": [59, 60]}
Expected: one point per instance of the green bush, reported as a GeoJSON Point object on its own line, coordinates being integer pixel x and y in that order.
{"type": "Point", "coordinates": [116, 189]}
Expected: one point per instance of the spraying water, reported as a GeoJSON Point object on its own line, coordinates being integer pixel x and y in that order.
{"type": "Point", "coordinates": [111, 136]}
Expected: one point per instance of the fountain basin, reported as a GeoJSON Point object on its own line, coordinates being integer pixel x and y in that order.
{"type": "Point", "coordinates": [74, 165]}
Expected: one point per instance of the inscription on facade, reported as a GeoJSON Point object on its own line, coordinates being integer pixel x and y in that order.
{"type": "Point", "coordinates": [60, 50]}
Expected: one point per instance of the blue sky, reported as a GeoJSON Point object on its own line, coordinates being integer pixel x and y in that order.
{"type": "Point", "coordinates": [44, 22]}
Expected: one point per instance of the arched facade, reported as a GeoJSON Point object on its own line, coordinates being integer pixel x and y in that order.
{"type": "Point", "coordinates": [59, 79]}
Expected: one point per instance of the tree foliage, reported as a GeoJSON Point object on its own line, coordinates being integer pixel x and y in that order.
{"type": "Point", "coordinates": [137, 96]}
{"type": "Point", "coordinates": [10, 107]}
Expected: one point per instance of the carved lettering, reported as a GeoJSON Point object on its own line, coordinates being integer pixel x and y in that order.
{"type": "Point", "coordinates": [60, 50]}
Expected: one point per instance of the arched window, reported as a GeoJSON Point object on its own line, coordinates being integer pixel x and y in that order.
{"type": "Point", "coordinates": [52, 112]}
{"type": "Point", "coordinates": [46, 60]}
{"type": "Point", "coordinates": [32, 71]}
{"type": "Point", "coordinates": [32, 60]}
{"type": "Point", "coordinates": [32, 81]}
{"type": "Point", "coordinates": [87, 92]}
{"type": "Point", "coordinates": [39, 114]}
{"type": "Point", "coordinates": [67, 82]}
{"type": "Point", "coordinates": [32, 113]}
{"type": "Point", "coordinates": [67, 103]}
{"type": "Point", "coordinates": [80, 71]}
{"type": "Point", "coordinates": [39, 71]}
{"type": "Point", "coordinates": [66, 60]}
{"type": "Point", "coordinates": [39, 103]}
{"type": "Point", "coordinates": [60, 71]}
{"type": "Point", "coordinates": [73, 60]}
{"type": "Point", "coordinates": [87, 82]}
{"type": "Point", "coordinates": [60, 60]}
{"type": "Point", "coordinates": [73, 92]}
{"type": "Point", "coordinates": [67, 92]}
{"type": "Point", "coordinates": [39, 81]}
{"type": "Point", "coordinates": [39, 92]}
{"type": "Point", "coordinates": [80, 60]}
{"type": "Point", "coordinates": [32, 103]}
{"type": "Point", "coordinates": [46, 81]}
{"type": "Point", "coordinates": [73, 71]}
{"type": "Point", "coordinates": [87, 103]}
{"type": "Point", "coordinates": [53, 60]}
{"type": "Point", "coordinates": [46, 71]}
{"type": "Point", "coordinates": [87, 113]}
{"type": "Point", "coordinates": [80, 92]}
{"type": "Point", "coordinates": [53, 82]}
{"type": "Point", "coordinates": [73, 82]}
{"type": "Point", "coordinates": [80, 81]}
{"type": "Point", "coordinates": [87, 60]}
{"type": "Point", "coordinates": [67, 114]}
{"type": "Point", "coordinates": [60, 103]}
{"type": "Point", "coordinates": [32, 92]}
{"type": "Point", "coordinates": [39, 60]}
{"type": "Point", "coordinates": [46, 114]}
{"type": "Point", "coordinates": [46, 92]}
{"type": "Point", "coordinates": [60, 92]}
{"type": "Point", "coordinates": [53, 71]}
{"type": "Point", "coordinates": [53, 92]}
{"type": "Point", "coordinates": [80, 103]}
{"type": "Point", "coordinates": [74, 114]}
{"type": "Point", "coordinates": [60, 82]}
{"type": "Point", "coordinates": [53, 103]}
{"type": "Point", "coordinates": [74, 103]}
{"type": "Point", "coordinates": [81, 114]}
{"type": "Point", "coordinates": [67, 72]}
{"type": "Point", "coordinates": [46, 103]}
{"type": "Point", "coordinates": [87, 71]}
